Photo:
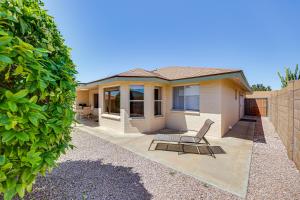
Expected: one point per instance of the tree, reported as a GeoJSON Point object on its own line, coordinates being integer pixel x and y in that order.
{"type": "Point", "coordinates": [37, 91]}
{"type": "Point", "coordinates": [289, 76]}
{"type": "Point", "coordinates": [260, 87]}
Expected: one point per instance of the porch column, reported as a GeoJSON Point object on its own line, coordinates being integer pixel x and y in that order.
{"type": "Point", "coordinates": [100, 103]}
{"type": "Point", "coordinates": [124, 105]}
{"type": "Point", "coordinates": [149, 102]}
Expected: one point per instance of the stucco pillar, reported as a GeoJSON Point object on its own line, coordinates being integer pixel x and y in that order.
{"type": "Point", "coordinates": [124, 105]}
{"type": "Point", "coordinates": [149, 102]}
{"type": "Point", "coordinates": [100, 103]}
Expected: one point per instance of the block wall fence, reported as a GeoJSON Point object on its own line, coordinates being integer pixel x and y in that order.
{"type": "Point", "coordinates": [284, 113]}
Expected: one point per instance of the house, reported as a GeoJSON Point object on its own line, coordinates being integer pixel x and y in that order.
{"type": "Point", "coordinates": [181, 98]}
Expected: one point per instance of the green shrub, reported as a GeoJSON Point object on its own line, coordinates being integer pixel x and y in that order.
{"type": "Point", "coordinates": [260, 87]}
{"type": "Point", "coordinates": [37, 90]}
{"type": "Point", "coordinates": [289, 76]}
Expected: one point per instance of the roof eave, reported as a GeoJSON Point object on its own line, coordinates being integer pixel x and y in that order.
{"type": "Point", "coordinates": [235, 74]}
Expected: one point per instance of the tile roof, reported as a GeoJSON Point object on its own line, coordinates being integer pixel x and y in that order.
{"type": "Point", "coordinates": [174, 73]}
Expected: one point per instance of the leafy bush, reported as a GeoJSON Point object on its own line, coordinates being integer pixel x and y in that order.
{"type": "Point", "coordinates": [37, 90]}
{"type": "Point", "coordinates": [289, 76]}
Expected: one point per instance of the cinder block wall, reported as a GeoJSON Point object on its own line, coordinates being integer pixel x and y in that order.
{"type": "Point", "coordinates": [285, 116]}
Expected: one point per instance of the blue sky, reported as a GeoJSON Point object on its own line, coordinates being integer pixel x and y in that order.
{"type": "Point", "coordinates": [107, 37]}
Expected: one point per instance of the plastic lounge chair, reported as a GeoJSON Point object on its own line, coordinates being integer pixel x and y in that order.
{"type": "Point", "coordinates": [187, 140]}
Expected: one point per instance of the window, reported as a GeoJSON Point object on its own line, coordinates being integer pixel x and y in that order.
{"type": "Point", "coordinates": [136, 101]}
{"type": "Point", "coordinates": [157, 100]}
{"type": "Point", "coordinates": [112, 100]}
{"type": "Point", "coordinates": [186, 98]}
{"type": "Point", "coordinates": [96, 102]}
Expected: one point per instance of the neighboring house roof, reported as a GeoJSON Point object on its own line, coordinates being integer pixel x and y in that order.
{"type": "Point", "coordinates": [175, 73]}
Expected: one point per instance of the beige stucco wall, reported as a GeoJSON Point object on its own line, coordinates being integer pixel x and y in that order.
{"type": "Point", "coordinates": [125, 123]}
{"type": "Point", "coordinates": [210, 107]}
{"type": "Point", "coordinates": [230, 102]}
{"type": "Point", "coordinates": [82, 97]}
{"type": "Point", "coordinates": [217, 102]}
{"type": "Point", "coordinates": [86, 97]}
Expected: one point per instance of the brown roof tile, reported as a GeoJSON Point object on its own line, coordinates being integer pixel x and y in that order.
{"type": "Point", "coordinates": [139, 73]}
{"type": "Point", "coordinates": [173, 73]}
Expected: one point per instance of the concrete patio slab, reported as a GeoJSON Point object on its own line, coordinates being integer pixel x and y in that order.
{"type": "Point", "coordinates": [229, 171]}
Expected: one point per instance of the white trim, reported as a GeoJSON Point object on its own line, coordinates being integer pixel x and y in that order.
{"type": "Point", "coordinates": [110, 116]}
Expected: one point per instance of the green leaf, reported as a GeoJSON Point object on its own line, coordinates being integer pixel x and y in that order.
{"type": "Point", "coordinates": [33, 99]}
{"type": "Point", "coordinates": [12, 106]}
{"type": "Point", "coordinates": [34, 120]}
{"type": "Point", "coordinates": [20, 3]}
{"type": "Point", "coordinates": [5, 59]}
{"type": "Point", "coordinates": [8, 136]}
{"type": "Point", "coordinates": [25, 175]}
{"type": "Point", "coordinates": [2, 32]}
{"type": "Point", "coordinates": [2, 160]}
{"type": "Point", "coordinates": [7, 166]}
{"type": "Point", "coordinates": [2, 176]}
{"type": "Point", "coordinates": [19, 70]}
{"type": "Point", "coordinates": [21, 190]}
{"type": "Point", "coordinates": [4, 40]}
{"type": "Point", "coordinates": [9, 94]}
{"type": "Point", "coordinates": [4, 120]}
{"type": "Point", "coordinates": [42, 50]}
{"type": "Point", "coordinates": [21, 94]}
{"type": "Point", "coordinates": [22, 136]}
{"type": "Point", "coordinates": [9, 193]}
{"type": "Point", "coordinates": [23, 25]}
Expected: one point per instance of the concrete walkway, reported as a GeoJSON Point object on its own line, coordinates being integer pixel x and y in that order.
{"type": "Point", "coordinates": [229, 171]}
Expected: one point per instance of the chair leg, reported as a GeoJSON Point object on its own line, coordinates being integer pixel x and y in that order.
{"type": "Point", "coordinates": [198, 150]}
{"type": "Point", "coordinates": [182, 148]}
{"type": "Point", "coordinates": [150, 145]}
{"type": "Point", "coordinates": [211, 152]}
{"type": "Point", "coordinates": [205, 140]}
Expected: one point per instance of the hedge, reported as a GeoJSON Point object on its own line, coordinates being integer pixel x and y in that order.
{"type": "Point", "coordinates": [37, 91]}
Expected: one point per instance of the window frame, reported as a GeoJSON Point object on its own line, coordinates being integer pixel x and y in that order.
{"type": "Point", "coordinates": [137, 101]}
{"type": "Point", "coordinates": [158, 100]}
{"type": "Point", "coordinates": [184, 96]}
{"type": "Point", "coordinates": [104, 100]}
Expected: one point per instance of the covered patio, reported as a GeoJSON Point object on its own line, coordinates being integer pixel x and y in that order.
{"type": "Point", "coordinates": [87, 103]}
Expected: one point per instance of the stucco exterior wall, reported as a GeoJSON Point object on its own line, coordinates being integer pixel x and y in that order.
{"type": "Point", "coordinates": [217, 102]}
{"type": "Point", "coordinates": [210, 107]}
{"type": "Point", "coordinates": [124, 123]}
{"type": "Point", "coordinates": [82, 97]}
{"type": "Point", "coordinates": [230, 101]}
{"type": "Point", "coordinates": [150, 122]}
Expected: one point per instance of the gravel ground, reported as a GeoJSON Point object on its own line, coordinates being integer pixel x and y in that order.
{"type": "Point", "coordinates": [272, 174]}
{"type": "Point", "coordinates": [101, 170]}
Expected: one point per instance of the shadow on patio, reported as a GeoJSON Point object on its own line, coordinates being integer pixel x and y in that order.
{"type": "Point", "coordinates": [189, 148]}
{"type": "Point", "coordinates": [89, 180]}
{"type": "Point", "coordinates": [90, 122]}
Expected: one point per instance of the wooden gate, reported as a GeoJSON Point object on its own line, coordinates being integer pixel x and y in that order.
{"type": "Point", "coordinates": [256, 107]}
